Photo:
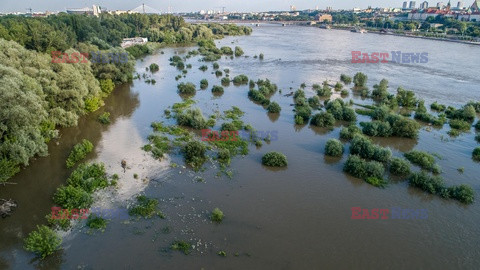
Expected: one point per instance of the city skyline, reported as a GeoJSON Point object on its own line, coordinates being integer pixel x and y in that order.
{"type": "Point", "coordinates": [192, 5]}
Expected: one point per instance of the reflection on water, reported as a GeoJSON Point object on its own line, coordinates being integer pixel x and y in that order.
{"type": "Point", "coordinates": [292, 218]}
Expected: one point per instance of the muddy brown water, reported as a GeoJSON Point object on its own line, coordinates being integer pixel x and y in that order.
{"type": "Point", "coordinates": [293, 218]}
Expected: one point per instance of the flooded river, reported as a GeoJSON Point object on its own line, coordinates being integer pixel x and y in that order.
{"type": "Point", "coordinates": [294, 218]}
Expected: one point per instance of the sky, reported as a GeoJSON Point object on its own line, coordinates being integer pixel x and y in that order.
{"type": "Point", "coordinates": [197, 5]}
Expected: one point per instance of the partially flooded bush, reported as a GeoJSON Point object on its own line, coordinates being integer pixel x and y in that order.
{"type": "Point", "coordinates": [194, 153]}
{"type": "Point", "coordinates": [89, 177]}
{"type": "Point", "coordinates": [72, 197]}
{"type": "Point", "coordinates": [403, 127]}
{"type": "Point", "coordinates": [349, 132]}
{"type": "Point", "coordinates": [334, 148]}
{"type": "Point", "coordinates": [154, 67]}
{"type": "Point", "coordinates": [203, 84]}
{"type": "Point", "coordinates": [438, 107]}
{"type": "Point", "coordinates": [340, 110]}
{"type": "Point", "coordinates": [79, 152]}
{"type": "Point", "coordinates": [225, 81]}
{"type": "Point", "coordinates": [186, 88]}
{"type": "Point", "coordinates": [238, 51]}
{"type": "Point", "coordinates": [274, 108]}
{"type": "Point", "coordinates": [345, 79]}
{"type": "Point", "coordinates": [223, 156]}
{"type": "Point", "coordinates": [459, 124]}
{"type": "Point", "coordinates": [364, 147]}
{"type": "Point", "coordinates": [145, 207]}
{"type": "Point", "coordinates": [436, 185]}
{"type": "Point", "coordinates": [462, 193]}
{"type": "Point", "coordinates": [217, 89]}
{"type": "Point", "coordinates": [377, 128]}
{"type": "Point", "coordinates": [181, 246]}
{"type": "Point", "coordinates": [399, 167]}
{"type": "Point", "coordinates": [476, 154]}
{"type": "Point", "coordinates": [363, 169]}
{"type": "Point", "coordinates": [192, 118]}
{"type": "Point", "coordinates": [274, 159]}
{"type": "Point", "coordinates": [96, 222]}
{"type": "Point", "coordinates": [43, 242]}
{"type": "Point", "coordinates": [360, 80]}
{"type": "Point", "coordinates": [240, 79]}
{"type": "Point", "coordinates": [420, 158]}
{"type": "Point", "coordinates": [217, 215]}
{"type": "Point", "coordinates": [323, 119]}
{"type": "Point", "coordinates": [314, 102]}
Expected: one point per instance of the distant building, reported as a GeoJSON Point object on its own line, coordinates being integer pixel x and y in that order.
{"type": "Point", "coordinates": [128, 42]}
{"type": "Point", "coordinates": [323, 17]}
{"type": "Point", "coordinates": [293, 8]}
{"type": "Point", "coordinates": [424, 5]}
{"type": "Point", "coordinates": [460, 5]}
{"type": "Point", "coordinates": [405, 5]}
{"type": "Point", "coordinates": [412, 5]}
{"type": "Point", "coordinates": [95, 10]}
{"type": "Point", "coordinates": [440, 5]}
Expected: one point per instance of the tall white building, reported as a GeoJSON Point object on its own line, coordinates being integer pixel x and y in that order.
{"type": "Point", "coordinates": [405, 5]}
{"type": "Point", "coordinates": [412, 5]}
{"type": "Point", "coordinates": [424, 5]}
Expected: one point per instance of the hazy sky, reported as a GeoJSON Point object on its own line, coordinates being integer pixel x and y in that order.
{"type": "Point", "coordinates": [196, 5]}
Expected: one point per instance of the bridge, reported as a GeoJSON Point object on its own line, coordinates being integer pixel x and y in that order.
{"type": "Point", "coordinates": [256, 23]}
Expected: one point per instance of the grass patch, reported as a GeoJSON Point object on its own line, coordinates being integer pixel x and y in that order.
{"type": "Point", "coordinates": [145, 207]}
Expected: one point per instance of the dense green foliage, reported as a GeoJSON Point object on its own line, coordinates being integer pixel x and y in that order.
{"type": "Point", "coordinates": [154, 67]}
{"type": "Point", "coordinates": [194, 153]}
{"type": "Point", "coordinates": [43, 242]}
{"type": "Point", "coordinates": [181, 246]}
{"type": "Point", "coordinates": [476, 154]}
{"type": "Point", "coordinates": [399, 166]}
{"type": "Point", "coordinates": [334, 148]}
{"type": "Point", "coordinates": [145, 207]}
{"type": "Point", "coordinates": [346, 79]}
{"type": "Point", "coordinates": [192, 118]}
{"type": "Point", "coordinates": [217, 215]}
{"type": "Point", "coordinates": [238, 51]}
{"type": "Point", "coordinates": [89, 177]}
{"type": "Point", "coordinates": [349, 132]}
{"type": "Point", "coordinates": [363, 147]}
{"type": "Point", "coordinates": [363, 169]}
{"type": "Point", "coordinates": [340, 110]}
{"type": "Point", "coordinates": [323, 119]}
{"type": "Point", "coordinates": [274, 159]}
{"type": "Point", "coordinates": [104, 118]}
{"type": "Point", "coordinates": [360, 80]}
{"type": "Point", "coordinates": [186, 88]}
{"type": "Point", "coordinates": [274, 108]}
{"type": "Point", "coordinates": [380, 91]}
{"type": "Point", "coordinates": [240, 79]}
{"type": "Point", "coordinates": [217, 89]}
{"type": "Point", "coordinates": [96, 222]}
{"type": "Point", "coordinates": [436, 185]}
{"type": "Point", "coordinates": [422, 159]}
{"type": "Point", "coordinates": [203, 84]}
{"type": "Point", "coordinates": [79, 152]}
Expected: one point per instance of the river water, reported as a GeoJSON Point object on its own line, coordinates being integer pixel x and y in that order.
{"type": "Point", "coordinates": [294, 218]}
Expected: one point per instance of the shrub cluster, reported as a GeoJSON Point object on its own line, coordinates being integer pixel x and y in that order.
{"type": "Point", "coordinates": [186, 88]}
{"type": "Point", "coordinates": [192, 118]}
{"type": "Point", "coordinates": [274, 108]}
{"type": "Point", "coordinates": [399, 167]}
{"type": "Point", "coordinates": [104, 118]}
{"type": "Point", "coordinates": [476, 154]}
{"type": "Point", "coordinates": [349, 132]}
{"type": "Point", "coordinates": [154, 67]}
{"type": "Point", "coordinates": [274, 159]}
{"type": "Point", "coordinates": [360, 80]}
{"type": "Point", "coordinates": [345, 79]}
{"type": "Point", "coordinates": [436, 185]}
{"type": "Point", "coordinates": [79, 152]}
{"type": "Point", "coordinates": [43, 241]}
{"type": "Point", "coordinates": [194, 153]}
{"type": "Point", "coordinates": [363, 147]}
{"type": "Point", "coordinates": [145, 207]}
{"type": "Point", "coordinates": [334, 148]}
{"type": "Point", "coordinates": [217, 89]}
{"type": "Point", "coordinates": [203, 84]}
{"type": "Point", "coordinates": [422, 159]}
{"type": "Point", "coordinates": [258, 97]}
{"type": "Point", "coordinates": [340, 110]}
{"type": "Point", "coordinates": [217, 215]}
{"type": "Point", "coordinates": [323, 119]}
{"type": "Point", "coordinates": [362, 168]}
{"type": "Point", "coordinates": [240, 79]}
{"type": "Point", "coordinates": [380, 91]}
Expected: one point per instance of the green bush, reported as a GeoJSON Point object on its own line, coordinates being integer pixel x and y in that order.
{"type": "Point", "coordinates": [274, 108]}
{"type": "Point", "coordinates": [364, 147]}
{"type": "Point", "coordinates": [8, 168]}
{"type": "Point", "coordinates": [95, 222]}
{"type": "Point", "coordinates": [186, 88]}
{"type": "Point", "coordinates": [380, 113]}
{"type": "Point", "coordinates": [462, 193]}
{"type": "Point", "coordinates": [89, 177]}
{"type": "Point", "coordinates": [218, 73]}
{"type": "Point", "coordinates": [476, 154]}
{"type": "Point", "coordinates": [154, 67]}
{"type": "Point", "coordinates": [258, 97]}
{"type": "Point", "coordinates": [399, 166]}
{"type": "Point", "coordinates": [203, 84]}
{"type": "Point", "coordinates": [380, 91]}
{"type": "Point", "coordinates": [203, 68]}
{"type": "Point", "coordinates": [323, 119]}
{"type": "Point", "coordinates": [340, 110]}
{"type": "Point", "coordinates": [477, 125]}
{"type": "Point", "coordinates": [334, 148]}
{"type": "Point", "coordinates": [403, 127]}
{"type": "Point", "coordinates": [274, 159]}
{"type": "Point", "coordinates": [145, 207]}
{"type": "Point", "coordinates": [437, 107]}
{"type": "Point", "coordinates": [430, 184]}
{"type": "Point", "coordinates": [194, 153]}
{"type": "Point", "coordinates": [338, 87]}
{"type": "Point", "coordinates": [406, 98]}
{"type": "Point", "coordinates": [104, 118]}
{"type": "Point", "coordinates": [79, 152]}
{"type": "Point", "coordinates": [363, 169]}
{"type": "Point", "coordinates": [72, 197]}
{"type": "Point", "coordinates": [217, 215]}
{"type": "Point", "coordinates": [299, 120]}
{"type": "Point", "coordinates": [225, 81]}
{"type": "Point", "coordinates": [266, 87]}
{"type": "Point", "coordinates": [192, 118]}
{"type": "Point", "coordinates": [344, 92]}
{"type": "Point", "coordinates": [349, 132]}
{"type": "Point", "coordinates": [226, 50]}
{"type": "Point", "coordinates": [459, 124]}
{"type": "Point", "coordinates": [217, 89]}
{"type": "Point", "coordinates": [420, 158]}
{"type": "Point", "coordinates": [107, 86]}
{"type": "Point", "coordinates": [314, 102]}
{"type": "Point", "coordinates": [261, 56]}
{"type": "Point", "coordinates": [376, 129]}
{"type": "Point", "coordinates": [223, 156]}
{"type": "Point", "coordinates": [216, 65]}
{"type": "Point", "coordinates": [240, 79]}
{"type": "Point", "coordinates": [324, 91]}
{"type": "Point", "coordinates": [238, 51]}
{"type": "Point", "coordinates": [43, 242]}
{"type": "Point", "coordinates": [376, 182]}
{"type": "Point", "coordinates": [360, 80]}
{"type": "Point", "coordinates": [181, 246]}
{"type": "Point", "coordinates": [345, 79]}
